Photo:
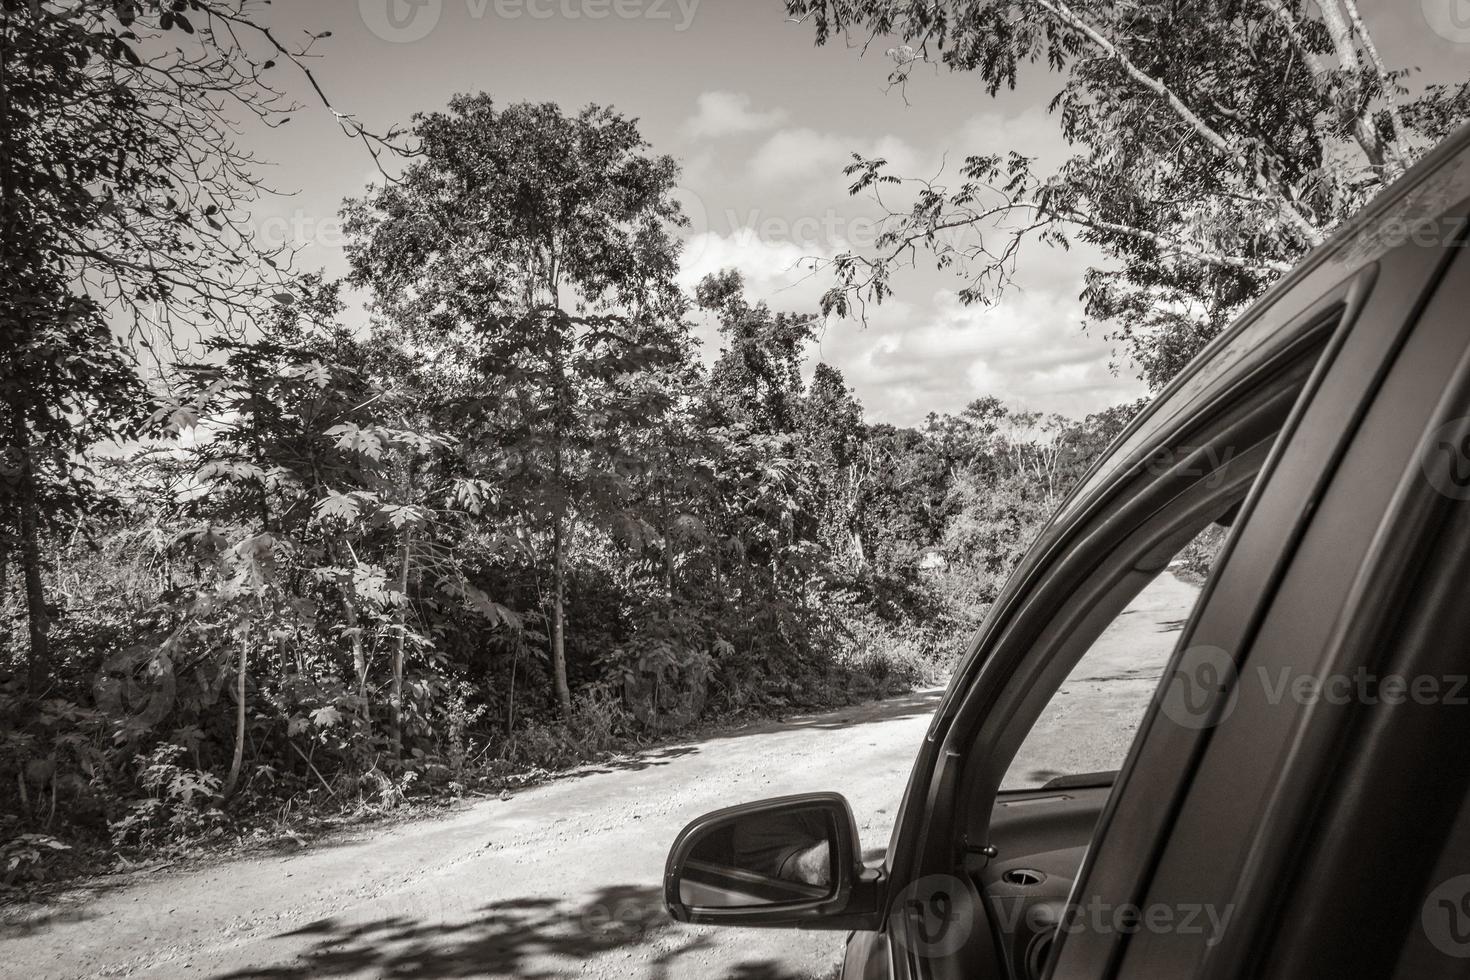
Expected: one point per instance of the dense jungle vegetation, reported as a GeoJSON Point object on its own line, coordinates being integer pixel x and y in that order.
{"type": "Point", "coordinates": [262, 562]}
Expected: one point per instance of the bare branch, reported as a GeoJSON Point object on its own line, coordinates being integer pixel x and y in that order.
{"type": "Point", "coordinates": [1386, 83]}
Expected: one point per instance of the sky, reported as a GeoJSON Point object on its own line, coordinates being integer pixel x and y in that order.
{"type": "Point", "coordinates": [762, 122]}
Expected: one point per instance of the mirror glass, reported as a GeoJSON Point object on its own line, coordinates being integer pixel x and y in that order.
{"type": "Point", "coordinates": [775, 857]}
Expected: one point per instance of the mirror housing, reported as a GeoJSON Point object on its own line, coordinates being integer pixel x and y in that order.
{"type": "Point", "coordinates": [792, 862]}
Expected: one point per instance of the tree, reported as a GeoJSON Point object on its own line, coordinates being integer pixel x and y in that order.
{"type": "Point", "coordinates": [832, 426]}
{"type": "Point", "coordinates": [1215, 142]}
{"type": "Point", "coordinates": [64, 386]}
{"type": "Point", "coordinates": [123, 197]}
{"type": "Point", "coordinates": [510, 226]}
{"type": "Point", "coordinates": [757, 377]}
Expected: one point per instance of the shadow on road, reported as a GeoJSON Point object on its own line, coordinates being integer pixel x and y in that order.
{"type": "Point", "coordinates": [633, 763]}
{"type": "Point", "coordinates": [530, 938]}
{"type": "Point", "coordinates": [872, 712]}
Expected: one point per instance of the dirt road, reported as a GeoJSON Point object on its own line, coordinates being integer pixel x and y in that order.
{"type": "Point", "coordinates": [559, 881]}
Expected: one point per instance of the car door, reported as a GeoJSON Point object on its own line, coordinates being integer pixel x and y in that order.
{"type": "Point", "coordinates": [1179, 470]}
{"type": "Point", "coordinates": [1213, 810]}
{"type": "Point", "coordinates": [1345, 316]}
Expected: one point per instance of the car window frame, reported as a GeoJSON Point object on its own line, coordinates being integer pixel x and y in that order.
{"type": "Point", "coordinates": [1139, 820]}
{"type": "Point", "coordinates": [1351, 255]}
{"type": "Point", "coordinates": [1274, 834]}
{"type": "Point", "coordinates": [1141, 493]}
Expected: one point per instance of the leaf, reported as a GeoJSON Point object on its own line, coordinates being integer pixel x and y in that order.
{"type": "Point", "coordinates": [183, 417]}
{"type": "Point", "coordinates": [404, 516]}
{"type": "Point", "coordinates": [284, 299]}
{"type": "Point", "coordinates": [352, 438]}
{"type": "Point", "coordinates": [336, 505]}
{"type": "Point", "coordinates": [326, 717]}
{"type": "Point", "coordinates": [231, 473]}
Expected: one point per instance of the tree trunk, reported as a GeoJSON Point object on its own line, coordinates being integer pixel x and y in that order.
{"type": "Point", "coordinates": [668, 530]}
{"type": "Point", "coordinates": [558, 624]}
{"type": "Point", "coordinates": [349, 610]}
{"type": "Point", "coordinates": [398, 643]}
{"type": "Point", "coordinates": [510, 713]}
{"type": "Point", "coordinates": [233, 780]}
{"type": "Point", "coordinates": [359, 656]}
{"type": "Point", "coordinates": [38, 616]}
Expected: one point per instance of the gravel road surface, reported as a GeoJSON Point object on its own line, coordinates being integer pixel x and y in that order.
{"type": "Point", "coordinates": [561, 880]}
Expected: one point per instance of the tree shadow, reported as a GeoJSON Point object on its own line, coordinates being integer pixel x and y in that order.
{"type": "Point", "coordinates": [869, 713]}
{"type": "Point", "coordinates": [21, 926]}
{"type": "Point", "coordinates": [632, 763]}
{"type": "Point", "coordinates": [528, 938]}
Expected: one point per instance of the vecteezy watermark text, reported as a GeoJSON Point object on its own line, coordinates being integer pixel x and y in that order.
{"type": "Point", "coordinates": [1362, 686]}
{"type": "Point", "coordinates": [1097, 917]}
{"type": "Point", "coordinates": [406, 21]}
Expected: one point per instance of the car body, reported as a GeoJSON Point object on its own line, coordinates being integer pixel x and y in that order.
{"type": "Point", "coordinates": [1296, 801]}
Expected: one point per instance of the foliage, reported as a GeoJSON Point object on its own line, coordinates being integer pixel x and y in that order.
{"type": "Point", "coordinates": [1214, 143]}
{"type": "Point", "coordinates": [472, 250]}
{"type": "Point", "coordinates": [123, 204]}
{"type": "Point", "coordinates": [514, 524]}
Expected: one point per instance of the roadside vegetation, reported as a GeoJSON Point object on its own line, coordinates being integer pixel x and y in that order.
{"type": "Point", "coordinates": [297, 570]}
{"type": "Point", "coordinates": [262, 565]}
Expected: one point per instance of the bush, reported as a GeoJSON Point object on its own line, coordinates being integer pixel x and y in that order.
{"type": "Point", "coordinates": [598, 724]}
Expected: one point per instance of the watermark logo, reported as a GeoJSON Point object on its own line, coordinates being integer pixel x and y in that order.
{"type": "Point", "coordinates": [401, 21]}
{"type": "Point", "coordinates": [696, 234]}
{"type": "Point", "coordinates": [1201, 690]}
{"type": "Point", "coordinates": [1445, 917]}
{"type": "Point", "coordinates": [1450, 19]}
{"type": "Point", "coordinates": [406, 21]}
{"type": "Point", "coordinates": [1101, 918]}
{"type": "Point", "coordinates": [1206, 462]}
{"type": "Point", "coordinates": [938, 912]}
{"type": "Point", "coordinates": [136, 686]}
{"type": "Point", "coordinates": [1446, 460]}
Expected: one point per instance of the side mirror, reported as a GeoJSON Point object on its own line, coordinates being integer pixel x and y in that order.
{"type": "Point", "coordinates": [793, 861]}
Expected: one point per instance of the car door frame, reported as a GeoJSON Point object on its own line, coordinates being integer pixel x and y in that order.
{"type": "Point", "coordinates": [1349, 261]}
{"type": "Point", "coordinates": [1070, 552]}
{"type": "Point", "coordinates": [1140, 838]}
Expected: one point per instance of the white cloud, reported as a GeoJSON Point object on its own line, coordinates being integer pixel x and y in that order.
{"type": "Point", "coordinates": [799, 155]}
{"type": "Point", "coordinates": [922, 350]}
{"type": "Point", "coordinates": [1028, 350]}
{"type": "Point", "coordinates": [727, 113]}
{"type": "Point", "coordinates": [921, 354]}
{"type": "Point", "coordinates": [771, 268]}
{"type": "Point", "coordinates": [795, 154]}
{"type": "Point", "coordinates": [776, 272]}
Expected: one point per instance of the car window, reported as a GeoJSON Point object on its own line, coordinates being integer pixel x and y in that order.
{"type": "Point", "coordinates": [1090, 722]}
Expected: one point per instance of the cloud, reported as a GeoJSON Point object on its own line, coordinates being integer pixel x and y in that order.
{"type": "Point", "coordinates": [803, 154]}
{"type": "Point", "coordinates": [795, 154]}
{"type": "Point", "coordinates": [1029, 350]}
{"type": "Point", "coordinates": [728, 113]}
{"type": "Point", "coordinates": [926, 353]}
{"type": "Point", "coordinates": [776, 272]}
{"type": "Point", "coordinates": [923, 350]}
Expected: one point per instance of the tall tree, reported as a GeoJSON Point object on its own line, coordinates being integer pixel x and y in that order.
{"type": "Point", "coordinates": [123, 213]}
{"type": "Point", "coordinates": [1214, 144]}
{"type": "Point", "coordinates": [835, 436]}
{"type": "Point", "coordinates": [511, 226]}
